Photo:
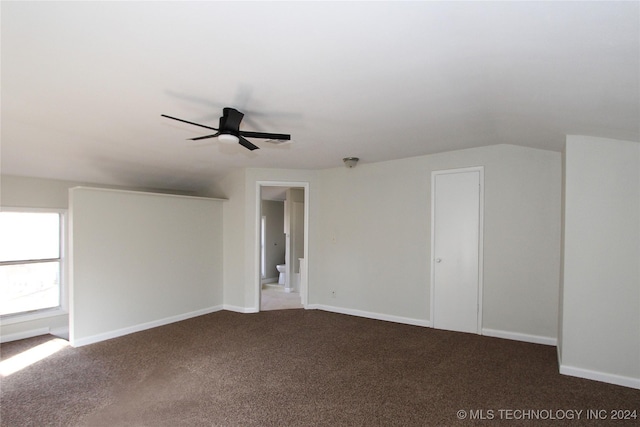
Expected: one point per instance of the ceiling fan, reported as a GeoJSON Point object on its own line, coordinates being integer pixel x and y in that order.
{"type": "Point", "coordinates": [229, 130]}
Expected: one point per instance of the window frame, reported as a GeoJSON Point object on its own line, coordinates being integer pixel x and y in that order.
{"type": "Point", "coordinates": [63, 307]}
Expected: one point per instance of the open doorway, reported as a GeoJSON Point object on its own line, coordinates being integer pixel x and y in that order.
{"type": "Point", "coordinates": [282, 224]}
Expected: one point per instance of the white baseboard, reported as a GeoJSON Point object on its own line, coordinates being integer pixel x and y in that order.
{"type": "Point", "coordinates": [239, 309]}
{"type": "Point", "coordinates": [24, 335]}
{"type": "Point", "coordinates": [371, 315]}
{"type": "Point", "coordinates": [517, 336]}
{"type": "Point", "coordinates": [79, 342]}
{"type": "Point", "coordinates": [600, 376]}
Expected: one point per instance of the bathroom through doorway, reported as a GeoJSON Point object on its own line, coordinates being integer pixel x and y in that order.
{"type": "Point", "coordinates": [282, 225]}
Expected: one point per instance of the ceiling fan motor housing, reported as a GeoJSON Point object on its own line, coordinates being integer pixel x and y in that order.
{"type": "Point", "coordinates": [229, 130]}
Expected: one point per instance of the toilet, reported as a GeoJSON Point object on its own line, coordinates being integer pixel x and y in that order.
{"type": "Point", "coordinates": [282, 270]}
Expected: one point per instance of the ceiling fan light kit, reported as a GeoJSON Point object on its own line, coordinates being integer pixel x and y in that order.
{"type": "Point", "coordinates": [227, 138]}
{"type": "Point", "coordinates": [229, 130]}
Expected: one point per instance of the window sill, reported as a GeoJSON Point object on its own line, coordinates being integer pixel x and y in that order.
{"type": "Point", "coordinates": [10, 319]}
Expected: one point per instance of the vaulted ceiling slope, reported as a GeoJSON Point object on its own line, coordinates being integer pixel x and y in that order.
{"type": "Point", "coordinates": [84, 83]}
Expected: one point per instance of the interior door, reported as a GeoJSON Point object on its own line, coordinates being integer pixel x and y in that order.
{"type": "Point", "coordinates": [456, 204]}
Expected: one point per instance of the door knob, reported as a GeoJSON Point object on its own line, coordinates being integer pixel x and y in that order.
{"type": "Point", "coordinates": [438, 260]}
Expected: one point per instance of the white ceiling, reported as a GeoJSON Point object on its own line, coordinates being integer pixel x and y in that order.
{"type": "Point", "coordinates": [84, 83]}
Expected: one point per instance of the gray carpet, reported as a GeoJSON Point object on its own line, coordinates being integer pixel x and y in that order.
{"type": "Point", "coordinates": [299, 368]}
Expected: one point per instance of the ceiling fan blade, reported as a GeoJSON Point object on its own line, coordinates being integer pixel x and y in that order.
{"type": "Point", "coordinates": [264, 135]}
{"type": "Point", "coordinates": [232, 119]}
{"type": "Point", "coordinates": [205, 137]}
{"type": "Point", "coordinates": [246, 144]}
{"type": "Point", "coordinates": [191, 123]}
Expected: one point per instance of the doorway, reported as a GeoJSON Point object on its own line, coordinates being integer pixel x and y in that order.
{"type": "Point", "coordinates": [282, 222]}
{"type": "Point", "coordinates": [456, 248]}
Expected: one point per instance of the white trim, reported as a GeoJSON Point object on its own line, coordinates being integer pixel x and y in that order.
{"type": "Point", "coordinates": [304, 293]}
{"type": "Point", "coordinates": [517, 336]}
{"type": "Point", "coordinates": [263, 242]}
{"type": "Point", "coordinates": [559, 353]}
{"type": "Point", "coordinates": [600, 376]}
{"type": "Point", "coordinates": [45, 313]}
{"type": "Point", "coordinates": [70, 265]}
{"type": "Point", "coordinates": [141, 327]}
{"type": "Point", "coordinates": [30, 209]}
{"type": "Point", "coordinates": [239, 309]}
{"type": "Point", "coordinates": [148, 193]}
{"type": "Point", "coordinates": [480, 170]}
{"type": "Point", "coordinates": [24, 335]}
{"type": "Point", "coordinates": [371, 315]}
{"type": "Point", "coordinates": [65, 248]}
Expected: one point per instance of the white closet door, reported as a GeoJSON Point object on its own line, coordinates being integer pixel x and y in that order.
{"type": "Point", "coordinates": [456, 242]}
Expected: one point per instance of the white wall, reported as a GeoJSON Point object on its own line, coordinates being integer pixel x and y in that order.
{"type": "Point", "coordinates": [35, 192]}
{"type": "Point", "coordinates": [140, 260]}
{"type": "Point", "coordinates": [522, 242]}
{"type": "Point", "coordinates": [601, 284]}
{"type": "Point", "coordinates": [373, 245]}
{"type": "Point", "coordinates": [233, 188]}
{"type": "Point", "coordinates": [241, 291]}
{"type": "Point", "coordinates": [29, 192]}
{"type": "Point", "coordinates": [21, 191]}
{"type": "Point", "coordinates": [379, 215]}
{"type": "Point", "coordinates": [369, 238]}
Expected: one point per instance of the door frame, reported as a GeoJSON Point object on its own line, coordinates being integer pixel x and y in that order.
{"type": "Point", "coordinates": [304, 272]}
{"type": "Point", "coordinates": [479, 169]}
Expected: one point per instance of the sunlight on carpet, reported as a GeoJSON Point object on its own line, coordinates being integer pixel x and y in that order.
{"type": "Point", "coordinates": [31, 356]}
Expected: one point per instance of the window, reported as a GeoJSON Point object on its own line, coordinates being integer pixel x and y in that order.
{"type": "Point", "coordinates": [31, 261]}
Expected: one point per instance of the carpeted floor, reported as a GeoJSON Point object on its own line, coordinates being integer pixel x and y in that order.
{"type": "Point", "coordinates": [302, 368]}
